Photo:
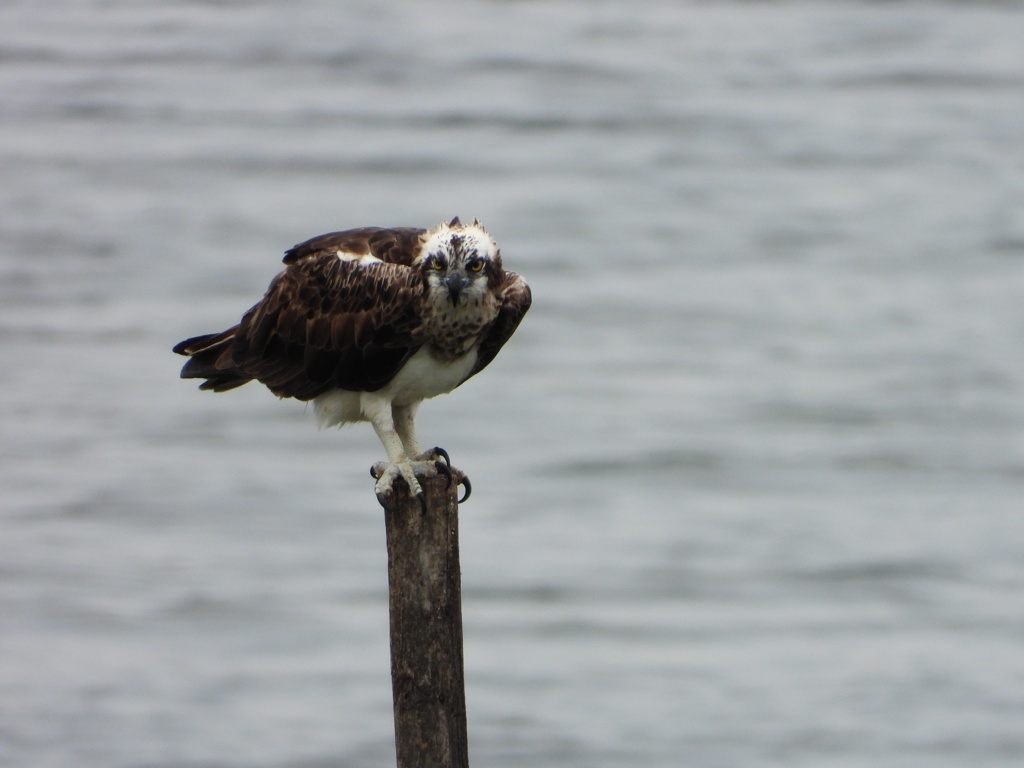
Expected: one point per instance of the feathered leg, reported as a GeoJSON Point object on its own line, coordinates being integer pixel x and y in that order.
{"type": "Point", "coordinates": [404, 417]}
{"type": "Point", "coordinates": [399, 464]}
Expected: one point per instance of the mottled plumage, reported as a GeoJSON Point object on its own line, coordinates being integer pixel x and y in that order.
{"type": "Point", "coordinates": [369, 322]}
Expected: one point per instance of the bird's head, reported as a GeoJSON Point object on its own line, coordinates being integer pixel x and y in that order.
{"type": "Point", "coordinates": [460, 263]}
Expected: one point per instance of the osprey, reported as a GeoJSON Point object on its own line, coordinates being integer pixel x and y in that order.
{"type": "Point", "coordinates": [368, 323]}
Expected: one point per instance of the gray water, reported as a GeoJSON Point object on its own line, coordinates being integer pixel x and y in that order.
{"type": "Point", "coordinates": [749, 479]}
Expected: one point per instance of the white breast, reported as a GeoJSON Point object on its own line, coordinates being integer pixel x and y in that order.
{"type": "Point", "coordinates": [425, 376]}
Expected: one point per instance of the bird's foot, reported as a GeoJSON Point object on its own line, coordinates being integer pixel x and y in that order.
{"type": "Point", "coordinates": [443, 464]}
{"type": "Point", "coordinates": [386, 474]}
{"type": "Point", "coordinates": [427, 464]}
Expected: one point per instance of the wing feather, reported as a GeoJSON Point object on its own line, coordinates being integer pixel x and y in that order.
{"type": "Point", "coordinates": [515, 301]}
{"type": "Point", "coordinates": [393, 245]}
{"type": "Point", "coordinates": [327, 323]}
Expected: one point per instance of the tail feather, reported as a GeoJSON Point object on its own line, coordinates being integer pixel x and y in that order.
{"type": "Point", "coordinates": [210, 358]}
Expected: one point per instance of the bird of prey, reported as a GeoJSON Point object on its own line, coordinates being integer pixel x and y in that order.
{"type": "Point", "coordinates": [367, 323]}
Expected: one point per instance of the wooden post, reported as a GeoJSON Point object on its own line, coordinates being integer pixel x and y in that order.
{"type": "Point", "coordinates": [426, 626]}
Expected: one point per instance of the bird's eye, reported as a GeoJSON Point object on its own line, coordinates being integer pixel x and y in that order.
{"type": "Point", "coordinates": [436, 263]}
{"type": "Point", "coordinates": [475, 265]}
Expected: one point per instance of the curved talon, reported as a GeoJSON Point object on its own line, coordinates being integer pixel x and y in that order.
{"type": "Point", "coordinates": [469, 488]}
{"type": "Point", "coordinates": [446, 470]}
{"type": "Point", "coordinates": [386, 474]}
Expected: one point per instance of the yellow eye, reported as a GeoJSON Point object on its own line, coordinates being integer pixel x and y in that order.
{"type": "Point", "coordinates": [436, 263]}
{"type": "Point", "coordinates": [476, 265]}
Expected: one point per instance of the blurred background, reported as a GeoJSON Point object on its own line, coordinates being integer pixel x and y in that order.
{"type": "Point", "coordinates": [748, 481]}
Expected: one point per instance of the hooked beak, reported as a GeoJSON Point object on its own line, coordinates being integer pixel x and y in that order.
{"type": "Point", "coordinates": [455, 282]}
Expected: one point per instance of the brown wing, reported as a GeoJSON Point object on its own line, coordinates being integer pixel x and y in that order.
{"type": "Point", "coordinates": [396, 245]}
{"type": "Point", "coordinates": [515, 300]}
{"type": "Point", "coordinates": [327, 322]}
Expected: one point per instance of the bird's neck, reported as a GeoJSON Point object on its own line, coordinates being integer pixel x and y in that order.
{"type": "Point", "coordinates": [451, 332]}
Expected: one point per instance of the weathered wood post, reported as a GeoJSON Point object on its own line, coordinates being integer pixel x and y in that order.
{"type": "Point", "coordinates": [427, 678]}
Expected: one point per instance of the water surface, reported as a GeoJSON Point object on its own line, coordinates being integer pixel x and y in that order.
{"type": "Point", "coordinates": [748, 480]}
